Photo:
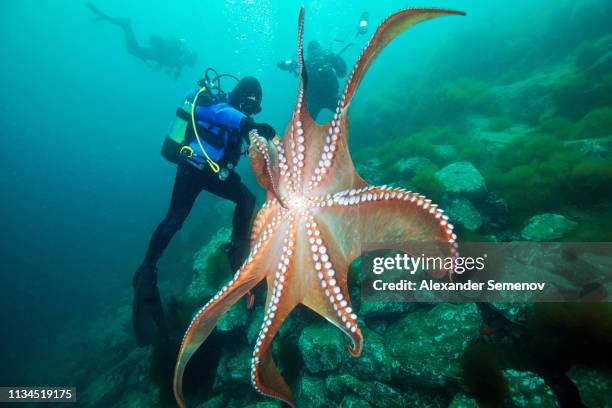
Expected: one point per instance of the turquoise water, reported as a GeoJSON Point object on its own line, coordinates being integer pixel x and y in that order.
{"type": "Point", "coordinates": [508, 87]}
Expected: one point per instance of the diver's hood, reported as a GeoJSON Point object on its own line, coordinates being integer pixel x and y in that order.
{"type": "Point", "coordinates": [247, 89]}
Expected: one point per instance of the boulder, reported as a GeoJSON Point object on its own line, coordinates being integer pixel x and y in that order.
{"type": "Point", "coordinates": [428, 345]}
{"type": "Point", "coordinates": [461, 178]}
{"type": "Point", "coordinates": [235, 318]}
{"type": "Point", "coordinates": [547, 227]}
{"type": "Point", "coordinates": [409, 167]}
{"type": "Point", "coordinates": [311, 392]}
{"type": "Point", "coordinates": [594, 385]}
{"type": "Point", "coordinates": [374, 362]}
{"type": "Point", "coordinates": [370, 171]}
{"type": "Point", "coordinates": [323, 347]}
{"type": "Point", "coordinates": [270, 404]}
{"type": "Point", "coordinates": [463, 401]}
{"type": "Point", "coordinates": [254, 325]}
{"type": "Point", "coordinates": [211, 267]}
{"type": "Point", "coordinates": [374, 392]}
{"type": "Point", "coordinates": [351, 401]}
{"type": "Point", "coordinates": [462, 212]}
{"type": "Point", "coordinates": [373, 312]}
{"type": "Point", "coordinates": [527, 389]}
{"type": "Point", "coordinates": [233, 368]}
{"type": "Point", "coordinates": [446, 153]}
{"type": "Point", "coordinates": [218, 401]}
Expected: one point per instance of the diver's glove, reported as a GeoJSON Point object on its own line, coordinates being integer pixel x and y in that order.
{"type": "Point", "coordinates": [247, 124]}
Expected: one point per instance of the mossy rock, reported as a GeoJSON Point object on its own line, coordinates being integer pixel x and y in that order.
{"type": "Point", "coordinates": [429, 344]}
{"type": "Point", "coordinates": [462, 178]}
{"type": "Point", "coordinates": [463, 401]}
{"type": "Point", "coordinates": [211, 267]}
{"type": "Point", "coordinates": [235, 318]}
{"type": "Point", "coordinates": [374, 392]}
{"type": "Point", "coordinates": [527, 389]}
{"type": "Point", "coordinates": [265, 405]}
{"type": "Point", "coordinates": [323, 347]}
{"type": "Point", "coordinates": [311, 392]}
{"type": "Point", "coordinates": [594, 385]}
{"type": "Point", "coordinates": [218, 401]}
{"type": "Point", "coordinates": [374, 361]}
{"type": "Point", "coordinates": [233, 369]}
{"type": "Point", "coordinates": [547, 227]}
{"type": "Point", "coordinates": [462, 212]}
{"type": "Point", "coordinates": [351, 401]}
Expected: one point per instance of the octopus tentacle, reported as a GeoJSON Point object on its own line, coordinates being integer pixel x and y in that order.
{"type": "Point", "coordinates": [332, 300]}
{"type": "Point", "coordinates": [335, 144]}
{"type": "Point", "coordinates": [386, 32]}
{"type": "Point", "coordinates": [264, 161]}
{"type": "Point", "coordinates": [280, 302]}
{"type": "Point", "coordinates": [409, 219]}
{"type": "Point", "coordinates": [263, 218]}
{"type": "Point", "coordinates": [207, 317]}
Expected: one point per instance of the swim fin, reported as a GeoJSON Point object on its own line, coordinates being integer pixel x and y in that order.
{"type": "Point", "coordinates": [147, 311]}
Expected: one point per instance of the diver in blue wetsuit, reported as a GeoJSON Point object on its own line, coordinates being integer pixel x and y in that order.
{"type": "Point", "coordinates": [206, 155]}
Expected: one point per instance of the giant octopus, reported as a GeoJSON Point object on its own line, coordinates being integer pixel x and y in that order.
{"type": "Point", "coordinates": [317, 215]}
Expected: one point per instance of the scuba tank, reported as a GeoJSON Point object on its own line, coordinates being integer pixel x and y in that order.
{"type": "Point", "coordinates": [175, 145]}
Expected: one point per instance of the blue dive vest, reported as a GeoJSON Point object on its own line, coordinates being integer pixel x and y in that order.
{"type": "Point", "coordinates": [218, 126]}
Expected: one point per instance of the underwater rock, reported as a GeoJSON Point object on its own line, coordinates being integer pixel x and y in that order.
{"type": "Point", "coordinates": [233, 369]}
{"type": "Point", "coordinates": [490, 134]}
{"type": "Point", "coordinates": [530, 98]}
{"type": "Point", "coordinates": [351, 401]}
{"type": "Point", "coordinates": [463, 213]}
{"type": "Point", "coordinates": [267, 404]}
{"type": "Point", "coordinates": [371, 171]}
{"type": "Point", "coordinates": [374, 362]}
{"type": "Point", "coordinates": [252, 330]}
{"type": "Point", "coordinates": [428, 344]}
{"type": "Point", "coordinates": [463, 401]}
{"type": "Point", "coordinates": [528, 389]}
{"type": "Point", "coordinates": [374, 392]}
{"type": "Point", "coordinates": [461, 178]}
{"type": "Point", "coordinates": [312, 392]}
{"type": "Point", "coordinates": [409, 167]}
{"type": "Point", "coordinates": [234, 319]}
{"type": "Point", "coordinates": [323, 347]}
{"type": "Point", "coordinates": [127, 379]}
{"type": "Point", "coordinates": [547, 227]}
{"type": "Point", "coordinates": [445, 153]}
{"type": "Point", "coordinates": [596, 147]}
{"type": "Point", "coordinates": [218, 401]}
{"type": "Point", "coordinates": [594, 385]}
{"type": "Point", "coordinates": [210, 267]}
{"type": "Point", "coordinates": [375, 312]}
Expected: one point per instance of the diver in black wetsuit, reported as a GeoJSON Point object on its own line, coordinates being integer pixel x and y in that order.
{"type": "Point", "coordinates": [206, 157]}
{"type": "Point", "coordinates": [323, 68]}
{"type": "Point", "coordinates": [169, 53]}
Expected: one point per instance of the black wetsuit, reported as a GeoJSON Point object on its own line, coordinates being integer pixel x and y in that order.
{"type": "Point", "coordinates": [188, 184]}
{"type": "Point", "coordinates": [323, 70]}
{"type": "Point", "coordinates": [169, 53]}
{"type": "Point", "coordinates": [219, 125]}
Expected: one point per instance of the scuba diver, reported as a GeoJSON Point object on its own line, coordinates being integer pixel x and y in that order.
{"type": "Point", "coordinates": [323, 68]}
{"type": "Point", "coordinates": [168, 53]}
{"type": "Point", "coordinates": [206, 142]}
